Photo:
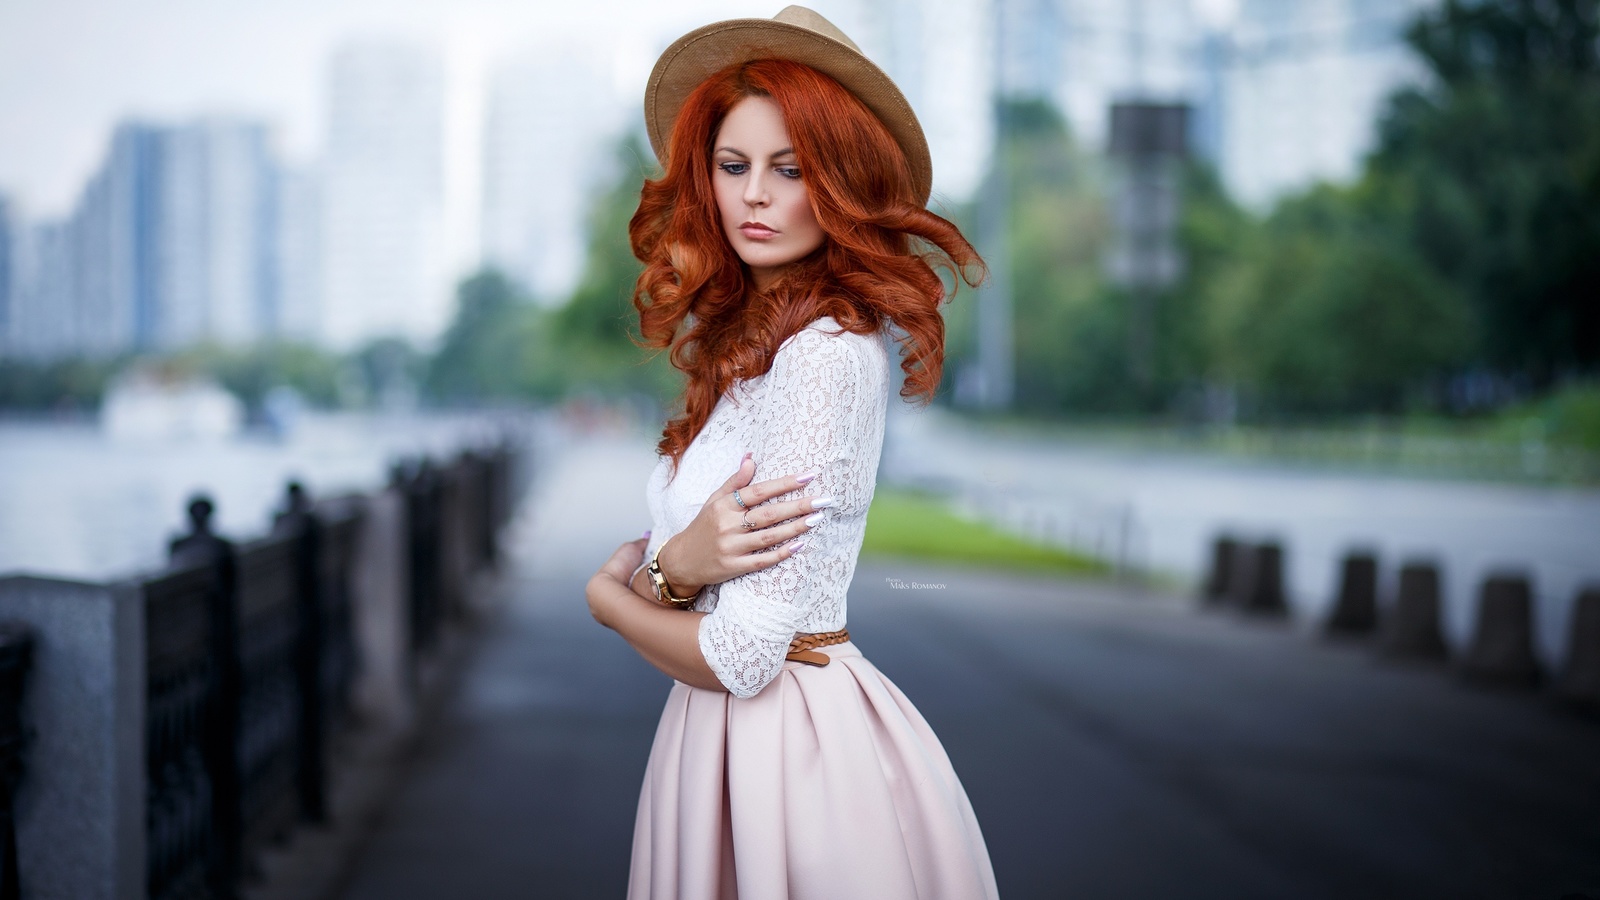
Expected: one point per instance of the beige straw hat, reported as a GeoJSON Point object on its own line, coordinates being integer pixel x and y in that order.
{"type": "Point", "coordinates": [796, 34]}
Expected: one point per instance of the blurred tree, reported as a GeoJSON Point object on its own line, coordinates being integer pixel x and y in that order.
{"type": "Point", "coordinates": [1068, 325]}
{"type": "Point", "coordinates": [502, 346]}
{"type": "Point", "coordinates": [1326, 311]}
{"type": "Point", "coordinates": [484, 354]}
{"type": "Point", "coordinates": [249, 372]}
{"type": "Point", "coordinates": [1494, 167]}
{"type": "Point", "coordinates": [385, 371]}
{"type": "Point", "coordinates": [593, 334]}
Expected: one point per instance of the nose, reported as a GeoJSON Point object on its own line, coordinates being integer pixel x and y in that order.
{"type": "Point", "coordinates": [755, 189]}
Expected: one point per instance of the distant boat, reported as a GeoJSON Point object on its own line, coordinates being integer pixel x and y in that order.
{"type": "Point", "coordinates": [145, 405]}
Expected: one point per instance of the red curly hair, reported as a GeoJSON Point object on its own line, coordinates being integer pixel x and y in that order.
{"type": "Point", "coordinates": [876, 263]}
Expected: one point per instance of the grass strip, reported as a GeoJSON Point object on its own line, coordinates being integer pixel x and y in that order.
{"type": "Point", "coordinates": [906, 524]}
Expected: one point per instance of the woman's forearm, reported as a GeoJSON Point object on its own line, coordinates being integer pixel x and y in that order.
{"type": "Point", "coordinates": [668, 639]}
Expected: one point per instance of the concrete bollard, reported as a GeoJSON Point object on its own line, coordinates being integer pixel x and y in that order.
{"type": "Point", "coordinates": [1266, 596]}
{"type": "Point", "coordinates": [1355, 610]}
{"type": "Point", "coordinates": [1241, 574]}
{"type": "Point", "coordinates": [1501, 654]}
{"type": "Point", "coordinates": [1216, 587]}
{"type": "Point", "coordinates": [1579, 683]}
{"type": "Point", "coordinates": [1413, 629]}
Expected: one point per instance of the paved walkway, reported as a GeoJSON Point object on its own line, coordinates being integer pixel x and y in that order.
{"type": "Point", "coordinates": [1114, 744]}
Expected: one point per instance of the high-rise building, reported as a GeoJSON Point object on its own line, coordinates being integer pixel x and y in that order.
{"type": "Point", "coordinates": [551, 123]}
{"type": "Point", "coordinates": [297, 255]}
{"type": "Point", "coordinates": [8, 293]}
{"type": "Point", "coordinates": [170, 243]}
{"type": "Point", "coordinates": [45, 325]}
{"type": "Point", "coordinates": [939, 52]}
{"type": "Point", "coordinates": [1303, 87]}
{"type": "Point", "coordinates": [382, 192]}
{"type": "Point", "coordinates": [215, 233]}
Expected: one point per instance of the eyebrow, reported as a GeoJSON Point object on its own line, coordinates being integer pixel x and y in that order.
{"type": "Point", "coordinates": [787, 151]}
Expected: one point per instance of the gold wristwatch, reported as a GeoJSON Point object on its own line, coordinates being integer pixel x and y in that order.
{"type": "Point", "coordinates": [663, 591]}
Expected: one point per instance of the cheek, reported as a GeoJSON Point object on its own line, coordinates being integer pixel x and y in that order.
{"type": "Point", "coordinates": [729, 206]}
{"type": "Point", "coordinates": [802, 219]}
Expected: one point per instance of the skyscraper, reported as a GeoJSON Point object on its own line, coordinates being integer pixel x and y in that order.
{"type": "Point", "coordinates": [297, 255]}
{"type": "Point", "coordinates": [215, 232]}
{"type": "Point", "coordinates": [45, 324]}
{"type": "Point", "coordinates": [551, 122]}
{"type": "Point", "coordinates": [383, 256]}
{"type": "Point", "coordinates": [1303, 87]}
{"type": "Point", "coordinates": [8, 293]}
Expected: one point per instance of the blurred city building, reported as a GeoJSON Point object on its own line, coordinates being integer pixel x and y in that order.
{"type": "Point", "coordinates": [1300, 88]}
{"type": "Point", "coordinates": [383, 195]}
{"type": "Point", "coordinates": [8, 291]}
{"type": "Point", "coordinates": [551, 118]}
{"type": "Point", "coordinates": [170, 243]}
{"type": "Point", "coordinates": [195, 231]}
{"type": "Point", "coordinates": [296, 311]}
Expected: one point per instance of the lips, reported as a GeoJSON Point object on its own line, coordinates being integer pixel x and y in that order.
{"type": "Point", "coordinates": [756, 231]}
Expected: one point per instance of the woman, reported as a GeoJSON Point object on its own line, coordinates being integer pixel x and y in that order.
{"type": "Point", "coordinates": [778, 251]}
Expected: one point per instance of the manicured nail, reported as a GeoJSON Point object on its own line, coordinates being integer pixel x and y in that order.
{"type": "Point", "coordinates": [797, 548]}
{"type": "Point", "coordinates": [806, 478]}
{"type": "Point", "coordinates": [813, 520]}
{"type": "Point", "coordinates": [646, 534]}
{"type": "Point", "coordinates": [820, 502]}
{"type": "Point", "coordinates": [747, 455]}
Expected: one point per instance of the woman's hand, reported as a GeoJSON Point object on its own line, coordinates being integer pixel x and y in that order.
{"type": "Point", "coordinates": [619, 568]}
{"type": "Point", "coordinates": [725, 540]}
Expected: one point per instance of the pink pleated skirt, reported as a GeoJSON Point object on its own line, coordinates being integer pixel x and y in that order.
{"type": "Point", "coordinates": [828, 785]}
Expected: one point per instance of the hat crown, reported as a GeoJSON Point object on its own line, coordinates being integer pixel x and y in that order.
{"type": "Point", "coordinates": [811, 20]}
{"type": "Point", "coordinates": [797, 34]}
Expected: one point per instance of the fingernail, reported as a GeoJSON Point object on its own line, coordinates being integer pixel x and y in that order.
{"type": "Point", "coordinates": [806, 478]}
{"type": "Point", "coordinates": [747, 455]}
{"type": "Point", "coordinates": [797, 548]}
{"type": "Point", "coordinates": [813, 520]}
{"type": "Point", "coordinates": [820, 502]}
{"type": "Point", "coordinates": [646, 534]}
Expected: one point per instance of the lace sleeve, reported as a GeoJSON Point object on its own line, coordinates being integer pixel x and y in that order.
{"type": "Point", "coordinates": [819, 411]}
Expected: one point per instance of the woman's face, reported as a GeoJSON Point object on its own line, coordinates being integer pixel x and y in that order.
{"type": "Point", "coordinates": [761, 194]}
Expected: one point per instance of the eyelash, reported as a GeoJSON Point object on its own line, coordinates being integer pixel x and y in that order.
{"type": "Point", "coordinates": [785, 171]}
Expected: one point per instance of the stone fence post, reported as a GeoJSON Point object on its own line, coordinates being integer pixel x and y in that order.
{"type": "Point", "coordinates": [80, 811]}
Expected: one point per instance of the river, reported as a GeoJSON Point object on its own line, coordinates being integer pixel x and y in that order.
{"type": "Point", "coordinates": [75, 503]}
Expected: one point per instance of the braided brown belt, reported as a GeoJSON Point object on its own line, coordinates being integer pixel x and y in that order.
{"type": "Point", "coordinates": [803, 647]}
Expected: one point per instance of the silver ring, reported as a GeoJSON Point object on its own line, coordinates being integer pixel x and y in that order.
{"type": "Point", "coordinates": [738, 500]}
{"type": "Point", "coordinates": [747, 523]}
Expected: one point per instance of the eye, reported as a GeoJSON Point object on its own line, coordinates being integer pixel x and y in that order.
{"type": "Point", "coordinates": [788, 171]}
{"type": "Point", "coordinates": [734, 168]}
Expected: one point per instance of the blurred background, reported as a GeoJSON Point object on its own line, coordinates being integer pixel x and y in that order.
{"type": "Point", "coordinates": [1317, 278]}
{"type": "Point", "coordinates": [239, 242]}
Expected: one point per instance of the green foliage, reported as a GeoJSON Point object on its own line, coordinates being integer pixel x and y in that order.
{"type": "Point", "coordinates": [250, 372]}
{"type": "Point", "coordinates": [1326, 313]}
{"type": "Point", "coordinates": [906, 524]}
{"type": "Point", "coordinates": [485, 353]}
{"type": "Point", "coordinates": [1568, 417]}
{"type": "Point", "coordinates": [1069, 329]}
{"type": "Point", "coordinates": [597, 328]}
{"type": "Point", "coordinates": [1494, 170]}
{"type": "Point", "coordinates": [502, 346]}
{"type": "Point", "coordinates": [68, 385]}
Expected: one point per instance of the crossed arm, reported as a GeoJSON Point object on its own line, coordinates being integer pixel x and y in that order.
{"type": "Point", "coordinates": [714, 548]}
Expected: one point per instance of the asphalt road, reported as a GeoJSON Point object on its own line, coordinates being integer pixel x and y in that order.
{"type": "Point", "coordinates": [1114, 742]}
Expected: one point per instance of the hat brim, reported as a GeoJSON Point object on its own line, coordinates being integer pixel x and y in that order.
{"type": "Point", "coordinates": [702, 52]}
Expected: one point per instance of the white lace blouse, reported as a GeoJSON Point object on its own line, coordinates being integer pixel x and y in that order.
{"type": "Point", "coordinates": [820, 407]}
